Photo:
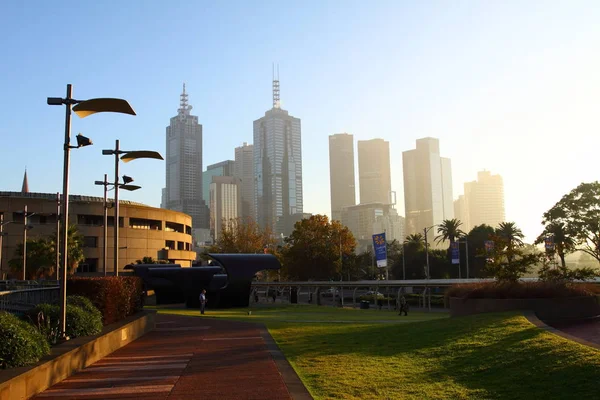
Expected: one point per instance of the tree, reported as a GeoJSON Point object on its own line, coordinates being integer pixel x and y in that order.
{"type": "Point", "coordinates": [316, 249]}
{"type": "Point", "coordinates": [449, 230]}
{"type": "Point", "coordinates": [508, 262]}
{"type": "Point", "coordinates": [416, 241]}
{"type": "Point", "coordinates": [579, 213]}
{"type": "Point", "coordinates": [242, 235]}
{"type": "Point", "coordinates": [563, 242]}
{"type": "Point", "coordinates": [510, 234]}
{"type": "Point", "coordinates": [41, 255]}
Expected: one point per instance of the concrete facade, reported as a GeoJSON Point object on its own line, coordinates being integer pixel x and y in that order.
{"type": "Point", "coordinates": [225, 202]}
{"type": "Point", "coordinates": [144, 231]}
{"type": "Point", "coordinates": [374, 176]}
{"type": "Point", "coordinates": [244, 171]}
{"type": "Point", "coordinates": [341, 173]}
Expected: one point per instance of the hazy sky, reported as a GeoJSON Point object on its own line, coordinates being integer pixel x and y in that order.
{"type": "Point", "coordinates": [509, 86]}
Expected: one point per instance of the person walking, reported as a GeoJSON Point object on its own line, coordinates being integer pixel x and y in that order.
{"type": "Point", "coordinates": [202, 301]}
{"type": "Point", "coordinates": [403, 306]}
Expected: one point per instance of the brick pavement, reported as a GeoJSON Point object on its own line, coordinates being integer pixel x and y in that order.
{"type": "Point", "coordinates": [188, 358]}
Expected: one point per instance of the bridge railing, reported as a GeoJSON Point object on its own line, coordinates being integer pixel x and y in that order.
{"type": "Point", "coordinates": [26, 299]}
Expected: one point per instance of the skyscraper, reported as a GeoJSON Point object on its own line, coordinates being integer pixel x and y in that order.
{"type": "Point", "coordinates": [184, 165]}
{"type": "Point", "coordinates": [427, 186]}
{"type": "Point", "coordinates": [225, 202]}
{"type": "Point", "coordinates": [244, 171]}
{"type": "Point", "coordinates": [374, 176]}
{"type": "Point", "coordinates": [484, 200]}
{"type": "Point", "coordinates": [277, 166]}
{"type": "Point", "coordinates": [341, 173]}
{"type": "Point", "coordinates": [223, 168]}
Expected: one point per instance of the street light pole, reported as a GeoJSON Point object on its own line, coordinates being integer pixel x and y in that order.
{"type": "Point", "coordinates": [25, 243]}
{"type": "Point", "coordinates": [1, 243]}
{"type": "Point", "coordinates": [403, 263]}
{"type": "Point", "coordinates": [57, 236]}
{"type": "Point", "coordinates": [116, 226]}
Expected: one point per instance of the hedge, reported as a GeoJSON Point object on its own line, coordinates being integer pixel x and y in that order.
{"type": "Point", "coordinates": [116, 297]}
{"type": "Point", "coordinates": [20, 343]}
{"type": "Point", "coordinates": [80, 322]}
{"type": "Point", "coordinates": [521, 290]}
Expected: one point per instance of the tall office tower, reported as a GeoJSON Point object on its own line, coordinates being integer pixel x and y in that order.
{"type": "Point", "coordinates": [485, 200]}
{"type": "Point", "coordinates": [427, 186]}
{"type": "Point", "coordinates": [184, 165]}
{"type": "Point", "coordinates": [277, 167]}
{"type": "Point", "coordinates": [374, 176]}
{"type": "Point", "coordinates": [163, 198]}
{"type": "Point", "coordinates": [341, 173]}
{"type": "Point", "coordinates": [223, 168]}
{"type": "Point", "coordinates": [225, 203]}
{"type": "Point", "coordinates": [461, 213]}
{"type": "Point", "coordinates": [244, 170]}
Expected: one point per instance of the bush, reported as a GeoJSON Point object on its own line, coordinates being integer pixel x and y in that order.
{"type": "Point", "coordinates": [79, 321]}
{"type": "Point", "coordinates": [116, 297]}
{"type": "Point", "coordinates": [521, 290]}
{"type": "Point", "coordinates": [86, 305]}
{"type": "Point", "coordinates": [20, 343]}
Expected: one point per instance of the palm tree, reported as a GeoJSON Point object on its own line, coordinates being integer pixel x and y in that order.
{"type": "Point", "coordinates": [511, 234]}
{"type": "Point", "coordinates": [449, 230]}
{"type": "Point", "coordinates": [416, 240]}
{"type": "Point", "coordinates": [563, 242]}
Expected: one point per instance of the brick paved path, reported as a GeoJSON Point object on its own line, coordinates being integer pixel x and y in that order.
{"type": "Point", "coordinates": [187, 358]}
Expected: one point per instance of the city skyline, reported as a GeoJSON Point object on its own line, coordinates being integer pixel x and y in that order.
{"type": "Point", "coordinates": [512, 99]}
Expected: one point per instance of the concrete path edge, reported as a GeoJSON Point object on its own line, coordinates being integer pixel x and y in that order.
{"type": "Point", "coordinates": [72, 356]}
{"type": "Point", "coordinates": [532, 318]}
{"type": "Point", "coordinates": [291, 379]}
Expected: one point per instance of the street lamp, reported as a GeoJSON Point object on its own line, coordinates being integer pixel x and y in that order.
{"type": "Point", "coordinates": [426, 231]}
{"type": "Point", "coordinates": [26, 227]}
{"type": "Point", "coordinates": [2, 233]}
{"type": "Point", "coordinates": [466, 242]}
{"type": "Point", "coordinates": [126, 156]}
{"type": "Point", "coordinates": [106, 183]}
{"type": "Point", "coordinates": [82, 108]}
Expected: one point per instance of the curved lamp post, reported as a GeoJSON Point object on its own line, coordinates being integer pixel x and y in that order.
{"type": "Point", "coordinates": [82, 108]}
{"type": "Point", "coordinates": [126, 156]}
{"type": "Point", "coordinates": [2, 233]}
{"type": "Point", "coordinates": [106, 183]}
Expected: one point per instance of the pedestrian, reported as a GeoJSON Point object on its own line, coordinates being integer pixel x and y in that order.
{"type": "Point", "coordinates": [403, 306]}
{"type": "Point", "coordinates": [202, 301]}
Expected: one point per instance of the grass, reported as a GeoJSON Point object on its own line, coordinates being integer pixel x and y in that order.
{"type": "Point", "coordinates": [487, 356]}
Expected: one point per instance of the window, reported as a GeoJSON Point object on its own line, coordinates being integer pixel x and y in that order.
{"type": "Point", "coordinates": [90, 241]}
{"type": "Point", "coordinates": [170, 244]}
{"type": "Point", "coordinates": [89, 265]}
{"type": "Point", "coordinates": [150, 224]}
{"type": "Point", "coordinates": [173, 227]}
{"type": "Point", "coordinates": [90, 220]}
{"type": "Point", "coordinates": [180, 246]}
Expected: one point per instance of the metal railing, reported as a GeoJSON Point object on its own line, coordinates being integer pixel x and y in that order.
{"type": "Point", "coordinates": [18, 301]}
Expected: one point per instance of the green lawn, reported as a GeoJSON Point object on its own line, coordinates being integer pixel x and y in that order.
{"type": "Point", "coordinates": [489, 356]}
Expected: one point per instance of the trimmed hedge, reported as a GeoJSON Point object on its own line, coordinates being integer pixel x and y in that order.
{"type": "Point", "coordinates": [116, 297]}
{"type": "Point", "coordinates": [79, 321]}
{"type": "Point", "coordinates": [522, 290]}
{"type": "Point", "coordinates": [20, 343]}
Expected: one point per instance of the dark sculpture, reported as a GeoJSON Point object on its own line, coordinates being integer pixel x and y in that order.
{"type": "Point", "coordinates": [227, 284]}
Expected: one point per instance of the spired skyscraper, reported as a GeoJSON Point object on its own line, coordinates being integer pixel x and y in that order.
{"type": "Point", "coordinates": [277, 167]}
{"type": "Point", "coordinates": [184, 165]}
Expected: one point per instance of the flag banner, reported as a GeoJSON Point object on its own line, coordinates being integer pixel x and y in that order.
{"type": "Point", "coordinates": [455, 252]}
{"type": "Point", "coordinates": [549, 242]}
{"type": "Point", "coordinates": [380, 249]}
{"type": "Point", "coordinates": [489, 245]}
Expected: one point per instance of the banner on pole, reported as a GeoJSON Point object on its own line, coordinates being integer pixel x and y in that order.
{"type": "Point", "coordinates": [380, 249]}
{"type": "Point", "coordinates": [455, 252]}
{"type": "Point", "coordinates": [489, 246]}
{"type": "Point", "coordinates": [549, 242]}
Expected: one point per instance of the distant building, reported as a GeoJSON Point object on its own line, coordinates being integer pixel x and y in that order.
{"type": "Point", "coordinates": [244, 171]}
{"type": "Point", "coordinates": [461, 213]}
{"type": "Point", "coordinates": [484, 200]}
{"type": "Point", "coordinates": [427, 186]}
{"type": "Point", "coordinates": [184, 165]}
{"type": "Point", "coordinates": [365, 220]}
{"type": "Point", "coordinates": [277, 166]}
{"type": "Point", "coordinates": [223, 168]}
{"type": "Point", "coordinates": [285, 226]}
{"type": "Point", "coordinates": [374, 177]}
{"type": "Point", "coordinates": [341, 173]}
{"type": "Point", "coordinates": [163, 198]}
{"type": "Point", "coordinates": [225, 202]}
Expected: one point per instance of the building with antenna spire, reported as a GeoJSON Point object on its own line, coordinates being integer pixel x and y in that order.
{"type": "Point", "coordinates": [184, 165]}
{"type": "Point", "coordinates": [278, 167]}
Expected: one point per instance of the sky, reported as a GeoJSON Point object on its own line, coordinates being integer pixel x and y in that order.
{"type": "Point", "coordinates": [508, 86]}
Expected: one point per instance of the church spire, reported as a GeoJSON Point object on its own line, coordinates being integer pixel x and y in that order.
{"type": "Point", "coordinates": [25, 187]}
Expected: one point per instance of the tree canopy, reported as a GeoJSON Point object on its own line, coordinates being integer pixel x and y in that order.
{"type": "Point", "coordinates": [242, 235]}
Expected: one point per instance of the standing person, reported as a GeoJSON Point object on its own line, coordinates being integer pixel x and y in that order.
{"type": "Point", "coordinates": [202, 301]}
{"type": "Point", "coordinates": [403, 306]}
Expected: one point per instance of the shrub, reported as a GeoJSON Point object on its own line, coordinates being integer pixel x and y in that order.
{"type": "Point", "coordinates": [86, 305]}
{"type": "Point", "coordinates": [79, 321]}
{"type": "Point", "coordinates": [115, 296]}
{"type": "Point", "coordinates": [20, 343]}
{"type": "Point", "coordinates": [521, 290]}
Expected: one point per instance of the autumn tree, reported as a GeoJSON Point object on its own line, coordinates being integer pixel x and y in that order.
{"type": "Point", "coordinates": [578, 212]}
{"type": "Point", "coordinates": [316, 249]}
{"type": "Point", "coordinates": [243, 235]}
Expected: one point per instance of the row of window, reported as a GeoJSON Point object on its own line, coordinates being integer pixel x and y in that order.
{"type": "Point", "coordinates": [93, 242]}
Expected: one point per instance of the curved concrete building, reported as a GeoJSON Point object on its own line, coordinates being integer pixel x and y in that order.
{"type": "Point", "coordinates": [144, 231]}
